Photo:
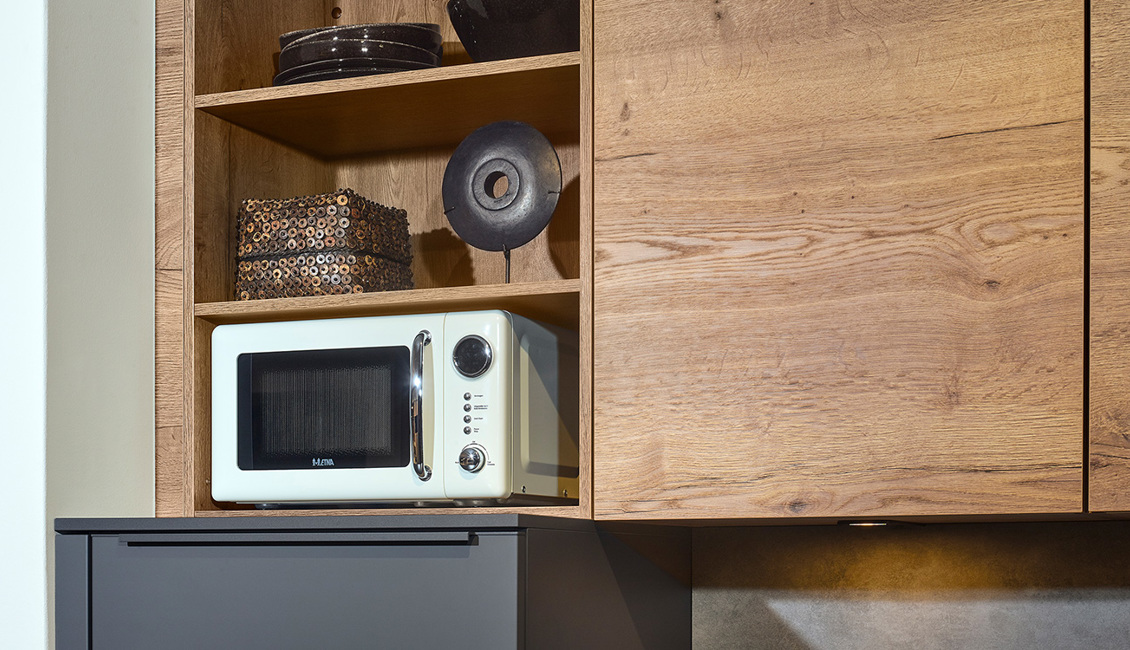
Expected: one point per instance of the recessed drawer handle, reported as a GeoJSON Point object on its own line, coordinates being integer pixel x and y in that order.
{"type": "Point", "coordinates": [305, 538]}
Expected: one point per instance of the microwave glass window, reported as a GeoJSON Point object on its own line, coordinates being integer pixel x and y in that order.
{"type": "Point", "coordinates": [320, 409]}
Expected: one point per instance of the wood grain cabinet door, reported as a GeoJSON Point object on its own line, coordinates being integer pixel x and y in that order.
{"type": "Point", "coordinates": [1110, 257]}
{"type": "Point", "coordinates": [838, 258]}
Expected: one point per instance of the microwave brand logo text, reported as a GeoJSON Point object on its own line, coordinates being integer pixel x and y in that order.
{"type": "Point", "coordinates": [323, 462]}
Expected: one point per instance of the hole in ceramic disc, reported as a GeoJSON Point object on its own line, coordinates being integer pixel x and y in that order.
{"type": "Point", "coordinates": [496, 185]}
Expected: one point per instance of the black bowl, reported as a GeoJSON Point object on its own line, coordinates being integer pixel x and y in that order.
{"type": "Point", "coordinates": [317, 67]}
{"type": "Point", "coordinates": [508, 29]}
{"type": "Point", "coordinates": [301, 52]}
{"type": "Point", "coordinates": [328, 75]}
{"type": "Point", "coordinates": [425, 38]}
{"type": "Point", "coordinates": [289, 37]}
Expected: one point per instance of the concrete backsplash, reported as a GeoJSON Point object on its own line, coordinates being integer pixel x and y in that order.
{"type": "Point", "coordinates": [1050, 585]}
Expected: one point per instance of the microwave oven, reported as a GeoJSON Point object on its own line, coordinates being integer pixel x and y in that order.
{"type": "Point", "coordinates": [461, 408]}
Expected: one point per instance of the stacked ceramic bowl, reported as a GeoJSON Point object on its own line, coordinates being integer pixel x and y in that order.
{"type": "Point", "coordinates": [326, 53]}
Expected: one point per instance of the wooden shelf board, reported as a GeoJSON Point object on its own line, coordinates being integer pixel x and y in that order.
{"type": "Point", "coordinates": [573, 512]}
{"type": "Point", "coordinates": [412, 109]}
{"type": "Point", "coordinates": [554, 301]}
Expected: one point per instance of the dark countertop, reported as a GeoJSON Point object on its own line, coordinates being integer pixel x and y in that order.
{"type": "Point", "coordinates": [340, 523]}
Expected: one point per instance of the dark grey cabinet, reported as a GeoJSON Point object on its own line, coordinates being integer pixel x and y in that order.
{"type": "Point", "coordinates": [458, 581]}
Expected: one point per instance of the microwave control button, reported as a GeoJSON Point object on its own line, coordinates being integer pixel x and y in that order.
{"type": "Point", "coordinates": [467, 419]}
{"type": "Point", "coordinates": [466, 429]}
{"type": "Point", "coordinates": [472, 458]}
{"type": "Point", "coordinates": [467, 396]}
{"type": "Point", "coordinates": [466, 407]}
{"type": "Point", "coordinates": [471, 356]}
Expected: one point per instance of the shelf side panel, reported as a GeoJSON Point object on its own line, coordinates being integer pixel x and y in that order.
{"type": "Point", "coordinates": [585, 255]}
{"type": "Point", "coordinates": [171, 108]}
{"type": "Point", "coordinates": [1110, 258]}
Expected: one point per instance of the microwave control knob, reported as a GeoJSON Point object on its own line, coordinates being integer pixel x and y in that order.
{"type": "Point", "coordinates": [471, 356]}
{"type": "Point", "coordinates": [472, 458]}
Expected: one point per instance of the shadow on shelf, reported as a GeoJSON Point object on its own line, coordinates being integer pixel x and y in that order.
{"type": "Point", "coordinates": [563, 231]}
{"type": "Point", "coordinates": [441, 260]}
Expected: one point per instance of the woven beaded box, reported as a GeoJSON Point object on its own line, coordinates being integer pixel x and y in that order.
{"type": "Point", "coordinates": [327, 244]}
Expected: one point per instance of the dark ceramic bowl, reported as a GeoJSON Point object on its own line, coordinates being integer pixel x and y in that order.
{"type": "Point", "coordinates": [290, 37]}
{"type": "Point", "coordinates": [508, 29]}
{"type": "Point", "coordinates": [317, 67]}
{"type": "Point", "coordinates": [424, 38]}
{"type": "Point", "coordinates": [302, 52]}
{"type": "Point", "coordinates": [328, 75]}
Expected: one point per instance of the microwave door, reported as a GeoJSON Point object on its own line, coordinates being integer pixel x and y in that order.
{"type": "Point", "coordinates": [319, 412]}
{"type": "Point", "coordinates": [313, 410]}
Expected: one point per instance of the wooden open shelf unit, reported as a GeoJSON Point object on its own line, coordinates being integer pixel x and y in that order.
{"type": "Point", "coordinates": [224, 135]}
{"type": "Point", "coordinates": [407, 110]}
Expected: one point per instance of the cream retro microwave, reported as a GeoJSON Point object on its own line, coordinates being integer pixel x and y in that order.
{"type": "Point", "coordinates": [461, 408]}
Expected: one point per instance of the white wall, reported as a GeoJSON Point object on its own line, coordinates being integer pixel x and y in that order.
{"type": "Point", "coordinates": [76, 283]}
{"type": "Point", "coordinates": [23, 598]}
{"type": "Point", "coordinates": [100, 257]}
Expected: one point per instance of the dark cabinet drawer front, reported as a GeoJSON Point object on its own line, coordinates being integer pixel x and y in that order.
{"type": "Point", "coordinates": [288, 594]}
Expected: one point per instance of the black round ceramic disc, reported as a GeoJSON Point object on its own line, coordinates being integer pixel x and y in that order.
{"type": "Point", "coordinates": [492, 214]}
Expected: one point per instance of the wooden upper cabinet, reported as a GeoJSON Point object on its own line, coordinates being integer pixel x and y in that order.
{"type": "Point", "coordinates": [839, 258]}
{"type": "Point", "coordinates": [226, 134]}
{"type": "Point", "coordinates": [1110, 256]}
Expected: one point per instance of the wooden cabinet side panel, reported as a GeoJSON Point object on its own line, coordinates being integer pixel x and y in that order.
{"type": "Point", "coordinates": [585, 254]}
{"type": "Point", "coordinates": [1110, 257]}
{"type": "Point", "coordinates": [169, 259]}
{"type": "Point", "coordinates": [169, 463]}
{"type": "Point", "coordinates": [838, 258]}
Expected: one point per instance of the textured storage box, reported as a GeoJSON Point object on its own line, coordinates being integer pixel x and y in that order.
{"type": "Point", "coordinates": [321, 245]}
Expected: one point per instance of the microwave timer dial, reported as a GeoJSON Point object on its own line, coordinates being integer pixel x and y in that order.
{"type": "Point", "coordinates": [472, 458]}
{"type": "Point", "coordinates": [472, 356]}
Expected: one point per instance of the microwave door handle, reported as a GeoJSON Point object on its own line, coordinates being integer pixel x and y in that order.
{"type": "Point", "coordinates": [416, 406]}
